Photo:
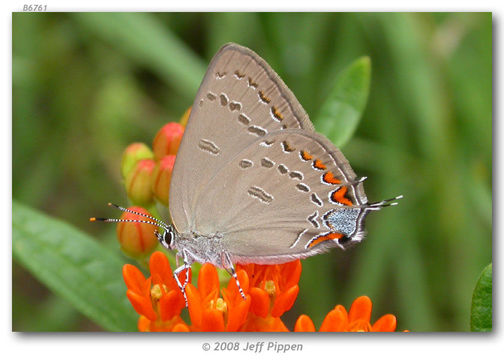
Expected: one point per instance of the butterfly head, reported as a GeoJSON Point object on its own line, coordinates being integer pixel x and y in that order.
{"type": "Point", "coordinates": [166, 238]}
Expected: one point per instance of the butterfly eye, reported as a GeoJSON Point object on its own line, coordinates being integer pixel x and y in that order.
{"type": "Point", "coordinates": [167, 239]}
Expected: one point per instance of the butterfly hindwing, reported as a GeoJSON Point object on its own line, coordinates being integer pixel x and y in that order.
{"type": "Point", "coordinates": [290, 194]}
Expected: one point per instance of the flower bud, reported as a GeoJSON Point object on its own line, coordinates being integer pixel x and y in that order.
{"type": "Point", "coordinates": [185, 117]}
{"type": "Point", "coordinates": [137, 239]}
{"type": "Point", "coordinates": [167, 140]}
{"type": "Point", "coordinates": [138, 183]}
{"type": "Point", "coordinates": [161, 178]}
{"type": "Point", "coordinates": [132, 154]}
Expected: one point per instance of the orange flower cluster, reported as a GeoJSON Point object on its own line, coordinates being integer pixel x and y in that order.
{"type": "Point", "coordinates": [270, 291]}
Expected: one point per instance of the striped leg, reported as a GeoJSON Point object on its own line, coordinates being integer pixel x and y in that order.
{"type": "Point", "coordinates": [180, 285]}
{"type": "Point", "coordinates": [186, 266]}
{"type": "Point", "coordinates": [228, 265]}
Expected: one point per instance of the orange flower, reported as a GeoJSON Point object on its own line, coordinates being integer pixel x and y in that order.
{"type": "Point", "coordinates": [273, 289]}
{"type": "Point", "coordinates": [158, 298]}
{"type": "Point", "coordinates": [356, 320]}
{"type": "Point", "coordinates": [270, 291]}
{"type": "Point", "coordinates": [208, 311]}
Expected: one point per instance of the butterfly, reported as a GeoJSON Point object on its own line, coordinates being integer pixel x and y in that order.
{"type": "Point", "coordinates": [253, 182]}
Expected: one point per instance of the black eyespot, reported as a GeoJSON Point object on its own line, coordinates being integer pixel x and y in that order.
{"type": "Point", "coordinates": [167, 239]}
{"type": "Point", "coordinates": [343, 240]}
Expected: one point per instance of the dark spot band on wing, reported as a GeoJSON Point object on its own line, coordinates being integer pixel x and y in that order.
{"type": "Point", "coordinates": [211, 96]}
{"type": "Point", "coordinates": [234, 106]}
{"type": "Point", "coordinates": [296, 175]}
{"type": "Point", "coordinates": [244, 119]}
{"type": "Point", "coordinates": [267, 143]}
{"type": "Point", "coordinates": [286, 147]}
{"type": "Point", "coordinates": [265, 162]}
{"type": "Point", "coordinates": [257, 130]}
{"type": "Point", "coordinates": [303, 187]}
{"type": "Point", "coordinates": [252, 83]}
{"type": "Point", "coordinates": [282, 169]}
{"type": "Point", "coordinates": [224, 99]}
{"type": "Point", "coordinates": [260, 194]}
{"type": "Point", "coordinates": [316, 200]}
{"type": "Point", "coordinates": [246, 163]}
{"type": "Point", "coordinates": [209, 146]}
{"type": "Point", "coordinates": [238, 75]}
{"type": "Point", "coordinates": [313, 219]}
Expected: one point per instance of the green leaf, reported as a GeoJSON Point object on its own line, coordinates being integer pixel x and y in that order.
{"type": "Point", "coordinates": [481, 309]}
{"type": "Point", "coordinates": [73, 266]}
{"type": "Point", "coordinates": [343, 108]}
{"type": "Point", "coordinates": [148, 41]}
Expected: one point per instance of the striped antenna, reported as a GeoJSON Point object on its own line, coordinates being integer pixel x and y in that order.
{"type": "Point", "coordinates": [155, 221]}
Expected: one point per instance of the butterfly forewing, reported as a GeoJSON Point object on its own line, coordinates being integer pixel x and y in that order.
{"type": "Point", "coordinates": [292, 198]}
{"type": "Point", "coordinates": [240, 101]}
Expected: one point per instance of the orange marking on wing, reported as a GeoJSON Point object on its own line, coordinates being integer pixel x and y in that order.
{"type": "Point", "coordinates": [322, 238]}
{"type": "Point", "coordinates": [317, 164]}
{"type": "Point", "coordinates": [305, 155]}
{"type": "Point", "coordinates": [339, 196]}
{"type": "Point", "coordinates": [264, 97]}
{"type": "Point", "coordinates": [252, 83]}
{"type": "Point", "coordinates": [330, 179]}
{"type": "Point", "coordinates": [277, 114]}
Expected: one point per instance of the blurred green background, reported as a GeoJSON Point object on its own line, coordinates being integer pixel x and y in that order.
{"type": "Point", "coordinates": [85, 85]}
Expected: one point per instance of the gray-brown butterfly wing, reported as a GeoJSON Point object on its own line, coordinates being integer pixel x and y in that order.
{"type": "Point", "coordinates": [290, 194]}
{"type": "Point", "coordinates": [240, 100]}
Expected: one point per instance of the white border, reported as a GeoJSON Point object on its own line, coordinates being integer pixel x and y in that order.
{"type": "Point", "coordinates": [131, 346]}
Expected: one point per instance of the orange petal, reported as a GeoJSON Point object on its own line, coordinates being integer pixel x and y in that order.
{"type": "Point", "coordinates": [248, 268]}
{"type": "Point", "coordinates": [237, 314]}
{"type": "Point", "coordinates": [260, 302]}
{"type": "Point", "coordinates": [161, 271]}
{"type": "Point", "coordinates": [285, 301]}
{"type": "Point", "coordinates": [268, 324]}
{"type": "Point", "coordinates": [142, 305]}
{"type": "Point", "coordinates": [194, 304]}
{"type": "Point", "coordinates": [361, 309]}
{"type": "Point", "coordinates": [304, 324]}
{"type": "Point", "coordinates": [359, 326]}
{"type": "Point", "coordinates": [291, 273]}
{"type": "Point", "coordinates": [143, 324]}
{"type": "Point", "coordinates": [335, 320]}
{"type": "Point", "coordinates": [277, 325]}
{"type": "Point", "coordinates": [385, 323]}
{"type": "Point", "coordinates": [134, 279]}
{"type": "Point", "coordinates": [171, 304]}
{"type": "Point", "coordinates": [180, 327]}
{"type": "Point", "coordinates": [244, 284]}
{"type": "Point", "coordinates": [208, 281]}
{"type": "Point", "coordinates": [212, 320]}
{"type": "Point", "coordinates": [183, 276]}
